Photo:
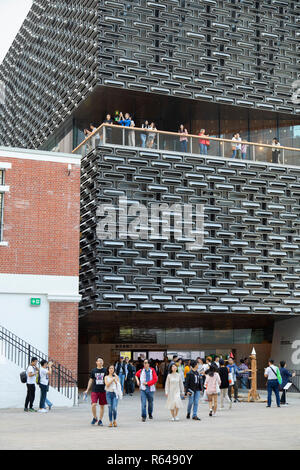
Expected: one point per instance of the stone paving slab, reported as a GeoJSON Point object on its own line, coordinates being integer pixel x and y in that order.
{"type": "Point", "coordinates": [246, 426]}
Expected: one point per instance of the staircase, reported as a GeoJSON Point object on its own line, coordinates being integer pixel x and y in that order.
{"type": "Point", "coordinates": [19, 352]}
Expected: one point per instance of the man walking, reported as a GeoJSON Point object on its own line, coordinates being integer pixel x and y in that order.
{"type": "Point", "coordinates": [98, 394]}
{"type": "Point", "coordinates": [193, 387]}
{"type": "Point", "coordinates": [146, 379]}
{"type": "Point", "coordinates": [31, 374]}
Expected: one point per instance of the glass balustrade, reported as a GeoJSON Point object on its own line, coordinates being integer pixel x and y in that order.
{"type": "Point", "coordinates": [207, 146]}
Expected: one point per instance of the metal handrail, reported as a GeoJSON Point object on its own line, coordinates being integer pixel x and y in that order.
{"type": "Point", "coordinates": [177, 134]}
{"type": "Point", "coordinates": [20, 352]}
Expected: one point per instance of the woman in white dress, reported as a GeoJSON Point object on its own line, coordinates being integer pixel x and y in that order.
{"type": "Point", "coordinates": [174, 389]}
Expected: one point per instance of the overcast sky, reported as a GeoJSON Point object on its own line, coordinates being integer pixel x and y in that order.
{"type": "Point", "coordinates": [12, 15]}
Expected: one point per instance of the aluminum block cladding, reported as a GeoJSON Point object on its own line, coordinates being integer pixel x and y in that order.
{"type": "Point", "coordinates": [249, 262]}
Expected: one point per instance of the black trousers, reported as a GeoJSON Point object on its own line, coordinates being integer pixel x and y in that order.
{"type": "Point", "coordinates": [30, 395]}
{"type": "Point", "coordinates": [235, 389]}
{"type": "Point", "coordinates": [129, 386]}
{"type": "Point", "coordinates": [283, 397]}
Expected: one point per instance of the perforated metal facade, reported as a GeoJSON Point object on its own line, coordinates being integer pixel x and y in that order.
{"type": "Point", "coordinates": [240, 52]}
{"type": "Point", "coordinates": [249, 262]}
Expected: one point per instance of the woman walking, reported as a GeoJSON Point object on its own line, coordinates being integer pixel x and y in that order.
{"type": "Point", "coordinates": [224, 376]}
{"type": "Point", "coordinates": [212, 384]}
{"type": "Point", "coordinates": [112, 387]}
{"type": "Point", "coordinates": [174, 390]}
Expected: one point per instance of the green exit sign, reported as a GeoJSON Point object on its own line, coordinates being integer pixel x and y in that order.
{"type": "Point", "coordinates": [35, 301]}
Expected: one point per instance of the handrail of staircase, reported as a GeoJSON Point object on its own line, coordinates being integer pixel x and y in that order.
{"type": "Point", "coordinates": [20, 353]}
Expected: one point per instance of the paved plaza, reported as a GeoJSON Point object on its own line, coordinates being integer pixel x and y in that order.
{"type": "Point", "coordinates": [246, 426]}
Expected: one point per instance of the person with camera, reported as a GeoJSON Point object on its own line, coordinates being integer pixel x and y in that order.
{"type": "Point", "coordinates": [113, 389]}
{"type": "Point", "coordinates": [44, 373]}
{"type": "Point", "coordinates": [193, 387]}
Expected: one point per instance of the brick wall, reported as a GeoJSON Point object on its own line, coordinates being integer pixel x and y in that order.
{"type": "Point", "coordinates": [63, 334]}
{"type": "Point", "coordinates": [41, 218]}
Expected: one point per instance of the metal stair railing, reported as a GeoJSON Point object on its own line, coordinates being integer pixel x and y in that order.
{"type": "Point", "coordinates": [20, 353]}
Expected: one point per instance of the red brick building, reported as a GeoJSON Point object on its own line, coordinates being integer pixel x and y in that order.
{"type": "Point", "coordinates": [39, 250]}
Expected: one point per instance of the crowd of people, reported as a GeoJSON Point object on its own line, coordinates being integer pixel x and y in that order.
{"type": "Point", "coordinates": [191, 380]}
{"type": "Point", "coordinates": [148, 138]}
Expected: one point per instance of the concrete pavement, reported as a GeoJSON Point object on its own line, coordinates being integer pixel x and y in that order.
{"type": "Point", "coordinates": [246, 426]}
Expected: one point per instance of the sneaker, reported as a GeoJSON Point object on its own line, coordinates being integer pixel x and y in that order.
{"type": "Point", "coordinates": [150, 417]}
{"type": "Point", "coordinates": [144, 420]}
{"type": "Point", "coordinates": [188, 416]}
{"type": "Point", "coordinates": [196, 418]}
{"type": "Point", "coordinates": [210, 413]}
{"type": "Point", "coordinates": [43, 411]}
{"type": "Point", "coordinates": [26, 409]}
{"type": "Point", "coordinates": [32, 410]}
{"type": "Point", "coordinates": [176, 419]}
{"type": "Point", "coordinates": [172, 419]}
{"type": "Point", "coordinates": [50, 407]}
{"type": "Point", "coordinates": [95, 421]}
{"type": "Point", "coordinates": [100, 423]}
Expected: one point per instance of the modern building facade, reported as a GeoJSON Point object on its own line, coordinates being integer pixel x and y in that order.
{"type": "Point", "coordinates": [221, 65]}
{"type": "Point", "coordinates": [213, 64]}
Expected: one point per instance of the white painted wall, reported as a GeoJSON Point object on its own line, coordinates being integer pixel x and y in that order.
{"type": "Point", "coordinates": [29, 323]}
{"type": "Point", "coordinates": [286, 342]}
{"type": "Point", "coordinates": [13, 392]}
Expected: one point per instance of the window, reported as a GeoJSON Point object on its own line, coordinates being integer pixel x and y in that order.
{"type": "Point", "coordinates": [3, 190]}
{"type": "Point", "coordinates": [1, 215]}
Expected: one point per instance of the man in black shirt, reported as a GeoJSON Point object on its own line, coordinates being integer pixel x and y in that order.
{"type": "Point", "coordinates": [98, 394]}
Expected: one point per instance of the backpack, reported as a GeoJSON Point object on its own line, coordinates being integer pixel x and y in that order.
{"type": "Point", "coordinates": [23, 377]}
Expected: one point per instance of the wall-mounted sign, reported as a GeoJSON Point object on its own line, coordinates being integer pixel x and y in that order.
{"type": "Point", "coordinates": [35, 301]}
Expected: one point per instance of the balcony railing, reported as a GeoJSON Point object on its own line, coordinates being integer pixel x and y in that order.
{"type": "Point", "coordinates": [134, 137]}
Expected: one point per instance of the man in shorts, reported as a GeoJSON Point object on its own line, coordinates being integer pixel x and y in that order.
{"type": "Point", "coordinates": [98, 394]}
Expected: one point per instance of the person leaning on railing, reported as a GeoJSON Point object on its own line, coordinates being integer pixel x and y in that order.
{"type": "Point", "coordinates": [151, 135]}
{"type": "Point", "coordinates": [108, 130]}
{"type": "Point", "coordinates": [275, 150]}
{"type": "Point", "coordinates": [183, 138]}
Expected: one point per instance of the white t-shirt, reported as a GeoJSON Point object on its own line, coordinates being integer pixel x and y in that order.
{"type": "Point", "coordinates": [31, 380]}
{"type": "Point", "coordinates": [44, 378]}
{"type": "Point", "coordinates": [271, 373]}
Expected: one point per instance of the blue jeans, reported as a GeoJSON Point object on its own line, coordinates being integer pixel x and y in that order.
{"type": "Point", "coordinates": [146, 395]}
{"type": "Point", "coordinates": [193, 402]}
{"type": "Point", "coordinates": [44, 390]}
{"type": "Point", "coordinates": [244, 382]}
{"type": "Point", "coordinates": [143, 139]}
{"type": "Point", "coordinates": [48, 402]}
{"type": "Point", "coordinates": [122, 380]}
{"type": "Point", "coordinates": [273, 385]}
{"type": "Point", "coordinates": [203, 149]}
{"type": "Point", "coordinates": [112, 402]}
{"type": "Point", "coordinates": [183, 145]}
